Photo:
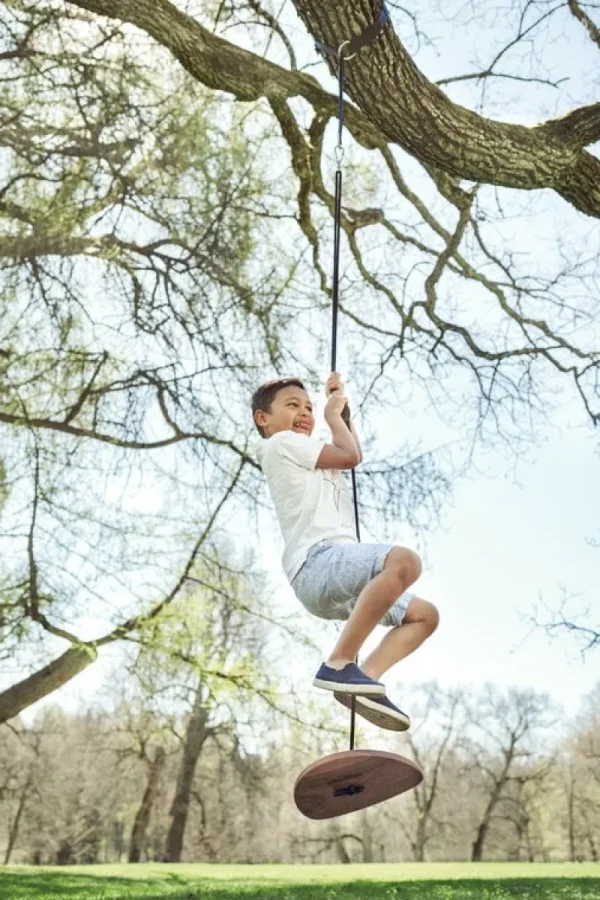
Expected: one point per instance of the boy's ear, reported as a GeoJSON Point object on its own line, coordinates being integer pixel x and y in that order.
{"type": "Point", "coordinates": [260, 417]}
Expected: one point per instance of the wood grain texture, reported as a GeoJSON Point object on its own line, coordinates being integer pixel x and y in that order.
{"type": "Point", "coordinates": [353, 779]}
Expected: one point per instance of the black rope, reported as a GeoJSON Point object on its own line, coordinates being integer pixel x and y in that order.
{"type": "Point", "coordinates": [343, 53]}
{"type": "Point", "coordinates": [335, 305]}
{"type": "Point", "coordinates": [337, 220]}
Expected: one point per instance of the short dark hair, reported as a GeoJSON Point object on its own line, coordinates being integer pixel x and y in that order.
{"type": "Point", "coordinates": [263, 396]}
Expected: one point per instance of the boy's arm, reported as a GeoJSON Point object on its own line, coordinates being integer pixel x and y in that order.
{"type": "Point", "coordinates": [334, 383]}
{"type": "Point", "coordinates": [342, 453]}
{"type": "Point", "coordinates": [356, 440]}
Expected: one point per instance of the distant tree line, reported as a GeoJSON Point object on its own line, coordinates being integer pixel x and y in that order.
{"type": "Point", "coordinates": [129, 784]}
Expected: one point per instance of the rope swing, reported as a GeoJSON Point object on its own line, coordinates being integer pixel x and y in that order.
{"type": "Point", "coordinates": [345, 52]}
{"type": "Point", "coordinates": [352, 779]}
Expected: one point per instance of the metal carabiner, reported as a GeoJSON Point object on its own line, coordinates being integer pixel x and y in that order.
{"type": "Point", "coordinates": [339, 52]}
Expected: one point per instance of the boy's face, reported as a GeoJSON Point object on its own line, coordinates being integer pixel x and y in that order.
{"type": "Point", "coordinates": [291, 410]}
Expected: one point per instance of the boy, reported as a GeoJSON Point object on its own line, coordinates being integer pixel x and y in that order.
{"type": "Point", "coordinates": [332, 574]}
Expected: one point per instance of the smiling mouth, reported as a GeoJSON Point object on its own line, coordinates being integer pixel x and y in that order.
{"type": "Point", "coordinates": [303, 426]}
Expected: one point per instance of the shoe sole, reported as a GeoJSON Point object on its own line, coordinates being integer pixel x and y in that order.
{"type": "Point", "coordinates": [373, 712]}
{"type": "Point", "coordinates": [371, 690]}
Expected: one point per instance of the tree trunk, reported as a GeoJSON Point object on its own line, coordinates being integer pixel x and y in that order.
{"type": "Point", "coordinates": [571, 816]}
{"type": "Point", "coordinates": [43, 682]}
{"type": "Point", "coordinates": [591, 840]}
{"type": "Point", "coordinates": [195, 736]}
{"type": "Point", "coordinates": [340, 849]}
{"type": "Point", "coordinates": [477, 846]}
{"type": "Point", "coordinates": [421, 840]}
{"type": "Point", "coordinates": [14, 828]}
{"type": "Point", "coordinates": [142, 818]}
{"type": "Point", "coordinates": [367, 838]}
{"type": "Point", "coordinates": [484, 825]}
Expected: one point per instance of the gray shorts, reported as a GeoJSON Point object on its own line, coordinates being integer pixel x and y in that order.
{"type": "Point", "coordinates": [334, 574]}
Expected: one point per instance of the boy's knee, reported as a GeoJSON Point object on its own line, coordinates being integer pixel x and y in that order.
{"type": "Point", "coordinates": [406, 563]}
{"type": "Point", "coordinates": [423, 612]}
{"type": "Point", "coordinates": [431, 616]}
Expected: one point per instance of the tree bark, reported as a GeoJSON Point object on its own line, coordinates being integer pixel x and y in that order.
{"type": "Point", "coordinates": [398, 103]}
{"type": "Point", "coordinates": [43, 682]}
{"type": "Point", "coordinates": [142, 818]}
{"type": "Point", "coordinates": [196, 734]}
{"type": "Point", "coordinates": [411, 111]}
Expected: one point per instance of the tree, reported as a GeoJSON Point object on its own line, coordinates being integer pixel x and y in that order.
{"type": "Point", "coordinates": [106, 290]}
{"type": "Point", "coordinates": [581, 773]}
{"type": "Point", "coordinates": [138, 733]}
{"type": "Point", "coordinates": [148, 280]}
{"type": "Point", "coordinates": [70, 800]}
{"type": "Point", "coordinates": [508, 335]}
{"type": "Point", "coordinates": [163, 246]}
{"type": "Point", "coordinates": [502, 743]}
{"type": "Point", "coordinates": [17, 782]}
{"type": "Point", "coordinates": [142, 818]}
{"type": "Point", "coordinates": [412, 112]}
{"type": "Point", "coordinates": [202, 653]}
{"type": "Point", "coordinates": [579, 626]}
{"type": "Point", "coordinates": [439, 714]}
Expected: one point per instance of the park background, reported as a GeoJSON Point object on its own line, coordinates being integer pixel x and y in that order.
{"type": "Point", "coordinates": [157, 264]}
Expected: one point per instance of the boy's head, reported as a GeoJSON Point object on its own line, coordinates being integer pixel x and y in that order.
{"type": "Point", "coordinates": [282, 405]}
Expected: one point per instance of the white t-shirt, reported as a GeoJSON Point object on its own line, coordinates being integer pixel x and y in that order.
{"type": "Point", "coordinates": [312, 504]}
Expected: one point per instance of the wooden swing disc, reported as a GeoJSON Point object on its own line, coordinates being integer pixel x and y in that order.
{"type": "Point", "coordinates": [353, 779]}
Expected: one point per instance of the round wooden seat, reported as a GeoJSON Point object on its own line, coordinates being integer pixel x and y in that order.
{"type": "Point", "coordinates": [353, 779]}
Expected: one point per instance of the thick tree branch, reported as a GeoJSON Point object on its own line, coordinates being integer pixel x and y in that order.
{"type": "Point", "coordinates": [576, 129]}
{"type": "Point", "coordinates": [46, 680]}
{"type": "Point", "coordinates": [395, 97]}
{"type": "Point", "coordinates": [582, 16]}
{"type": "Point", "coordinates": [388, 87]}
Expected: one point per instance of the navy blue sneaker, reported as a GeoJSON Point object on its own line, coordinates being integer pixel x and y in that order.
{"type": "Point", "coordinates": [349, 680]}
{"type": "Point", "coordinates": [378, 710]}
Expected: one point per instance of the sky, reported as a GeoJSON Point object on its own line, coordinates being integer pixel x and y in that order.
{"type": "Point", "coordinates": [508, 548]}
{"type": "Point", "coordinates": [515, 538]}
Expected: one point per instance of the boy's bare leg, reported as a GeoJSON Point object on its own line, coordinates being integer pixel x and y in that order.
{"type": "Point", "coordinates": [402, 568]}
{"type": "Point", "coordinates": [420, 621]}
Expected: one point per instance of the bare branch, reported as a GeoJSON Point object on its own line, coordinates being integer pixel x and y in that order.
{"type": "Point", "coordinates": [75, 431]}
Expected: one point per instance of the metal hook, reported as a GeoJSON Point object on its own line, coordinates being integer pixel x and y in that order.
{"type": "Point", "coordinates": [339, 52]}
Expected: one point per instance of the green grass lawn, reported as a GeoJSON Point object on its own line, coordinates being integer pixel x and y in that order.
{"type": "Point", "coordinates": [408, 881]}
